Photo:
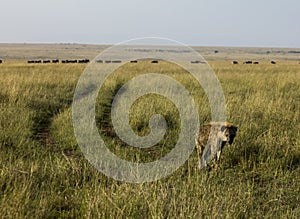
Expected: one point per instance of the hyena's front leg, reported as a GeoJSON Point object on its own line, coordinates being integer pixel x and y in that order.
{"type": "Point", "coordinates": [199, 150]}
{"type": "Point", "coordinates": [217, 160]}
{"type": "Point", "coordinates": [219, 155]}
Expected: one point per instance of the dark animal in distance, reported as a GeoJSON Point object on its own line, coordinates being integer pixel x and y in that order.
{"type": "Point", "coordinates": [38, 61]}
{"type": "Point", "coordinates": [255, 63]}
{"type": "Point", "coordinates": [197, 62]}
{"type": "Point", "coordinates": [1, 61]}
{"type": "Point", "coordinates": [69, 61]}
{"type": "Point", "coordinates": [83, 61]}
{"type": "Point", "coordinates": [247, 62]}
{"type": "Point", "coordinates": [57, 61]}
{"type": "Point", "coordinates": [273, 62]}
{"type": "Point", "coordinates": [235, 62]}
{"type": "Point", "coordinates": [34, 61]}
{"type": "Point", "coordinates": [133, 61]}
{"type": "Point", "coordinates": [154, 61]}
{"type": "Point", "coordinates": [116, 61]}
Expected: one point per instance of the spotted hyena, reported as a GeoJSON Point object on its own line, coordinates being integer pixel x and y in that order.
{"type": "Point", "coordinates": [214, 135]}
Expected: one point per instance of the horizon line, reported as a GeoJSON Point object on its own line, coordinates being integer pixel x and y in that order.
{"type": "Point", "coordinates": [111, 44]}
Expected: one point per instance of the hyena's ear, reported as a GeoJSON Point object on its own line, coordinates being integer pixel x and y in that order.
{"type": "Point", "coordinates": [230, 141]}
{"type": "Point", "coordinates": [232, 135]}
{"type": "Point", "coordinates": [223, 127]}
{"type": "Point", "coordinates": [235, 128]}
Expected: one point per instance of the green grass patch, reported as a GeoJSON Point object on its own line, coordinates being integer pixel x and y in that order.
{"type": "Point", "coordinates": [43, 173]}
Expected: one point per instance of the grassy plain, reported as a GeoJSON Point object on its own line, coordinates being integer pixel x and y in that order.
{"type": "Point", "coordinates": [43, 173]}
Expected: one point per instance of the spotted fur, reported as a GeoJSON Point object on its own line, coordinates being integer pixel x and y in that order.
{"type": "Point", "coordinates": [213, 134]}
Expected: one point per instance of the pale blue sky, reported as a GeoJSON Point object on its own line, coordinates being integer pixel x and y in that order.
{"type": "Point", "coordinates": [263, 23]}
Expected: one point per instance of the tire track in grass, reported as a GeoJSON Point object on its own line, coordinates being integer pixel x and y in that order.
{"type": "Point", "coordinates": [45, 110]}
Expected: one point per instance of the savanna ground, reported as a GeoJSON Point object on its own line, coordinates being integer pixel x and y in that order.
{"type": "Point", "coordinates": [43, 173]}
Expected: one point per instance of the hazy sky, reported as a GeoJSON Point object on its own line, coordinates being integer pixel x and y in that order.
{"type": "Point", "coordinates": [264, 23]}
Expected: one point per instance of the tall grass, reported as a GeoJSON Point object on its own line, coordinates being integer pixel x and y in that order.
{"type": "Point", "coordinates": [44, 174]}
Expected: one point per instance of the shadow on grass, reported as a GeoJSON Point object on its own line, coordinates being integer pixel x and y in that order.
{"type": "Point", "coordinates": [45, 109]}
{"type": "Point", "coordinates": [119, 147]}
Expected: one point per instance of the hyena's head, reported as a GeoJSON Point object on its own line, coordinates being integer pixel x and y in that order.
{"type": "Point", "coordinates": [228, 132]}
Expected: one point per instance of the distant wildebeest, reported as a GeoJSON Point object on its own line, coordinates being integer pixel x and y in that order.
{"type": "Point", "coordinates": [133, 61]}
{"type": "Point", "coordinates": [1, 61]}
{"type": "Point", "coordinates": [116, 61]}
{"type": "Point", "coordinates": [38, 61]}
{"type": "Point", "coordinates": [71, 61]}
{"type": "Point", "coordinates": [255, 63]}
{"type": "Point", "coordinates": [196, 62]}
{"type": "Point", "coordinates": [99, 61]}
{"type": "Point", "coordinates": [107, 61]}
{"type": "Point", "coordinates": [64, 61]}
{"type": "Point", "coordinates": [30, 61]}
{"type": "Point", "coordinates": [55, 61]}
{"type": "Point", "coordinates": [83, 61]}
{"type": "Point", "coordinates": [273, 62]}
{"type": "Point", "coordinates": [154, 61]}
{"type": "Point", "coordinates": [46, 61]}
{"type": "Point", "coordinates": [248, 62]}
{"type": "Point", "coordinates": [235, 62]}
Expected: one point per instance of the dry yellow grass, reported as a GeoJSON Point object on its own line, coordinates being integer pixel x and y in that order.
{"type": "Point", "coordinates": [43, 173]}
